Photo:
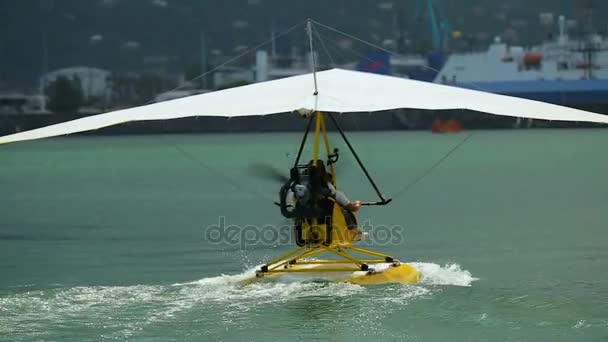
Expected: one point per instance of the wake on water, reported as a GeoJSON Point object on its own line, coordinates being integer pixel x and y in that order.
{"type": "Point", "coordinates": [450, 274]}
{"type": "Point", "coordinates": [157, 303]}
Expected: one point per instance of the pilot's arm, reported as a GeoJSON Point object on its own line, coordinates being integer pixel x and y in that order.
{"type": "Point", "coordinates": [342, 200]}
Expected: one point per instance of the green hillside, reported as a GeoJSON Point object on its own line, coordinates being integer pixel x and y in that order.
{"type": "Point", "coordinates": [132, 35]}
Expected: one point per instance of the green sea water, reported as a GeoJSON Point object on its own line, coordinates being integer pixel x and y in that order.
{"type": "Point", "coordinates": [107, 239]}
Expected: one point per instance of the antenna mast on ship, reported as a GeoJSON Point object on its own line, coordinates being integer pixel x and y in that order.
{"type": "Point", "coordinates": [588, 46]}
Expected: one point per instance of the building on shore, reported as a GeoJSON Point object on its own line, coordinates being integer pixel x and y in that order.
{"type": "Point", "coordinates": [95, 83]}
{"type": "Point", "coordinates": [18, 103]}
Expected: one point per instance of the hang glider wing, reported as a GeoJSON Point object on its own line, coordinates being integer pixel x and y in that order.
{"type": "Point", "coordinates": [341, 91]}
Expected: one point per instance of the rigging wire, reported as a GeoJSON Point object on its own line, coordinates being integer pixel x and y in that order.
{"type": "Point", "coordinates": [376, 46]}
{"type": "Point", "coordinates": [428, 171]}
{"type": "Point", "coordinates": [216, 173]}
{"type": "Point", "coordinates": [237, 57]}
{"type": "Point", "coordinates": [351, 50]}
{"type": "Point", "coordinates": [322, 43]}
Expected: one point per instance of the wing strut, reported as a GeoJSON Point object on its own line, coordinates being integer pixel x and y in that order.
{"type": "Point", "coordinates": [322, 130]}
{"type": "Point", "coordinates": [383, 201]}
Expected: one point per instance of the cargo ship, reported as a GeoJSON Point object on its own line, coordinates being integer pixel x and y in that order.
{"type": "Point", "coordinates": [565, 71]}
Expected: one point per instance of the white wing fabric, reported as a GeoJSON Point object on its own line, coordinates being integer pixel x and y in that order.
{"type": "Point", "coordinates": [340, 91]}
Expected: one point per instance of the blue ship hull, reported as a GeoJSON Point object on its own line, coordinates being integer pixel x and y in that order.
{"type": "Point", "coordinates": [575, 93]}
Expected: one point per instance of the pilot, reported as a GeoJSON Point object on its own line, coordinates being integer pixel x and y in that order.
{"type": "Point", "coordinates": [320, 186]}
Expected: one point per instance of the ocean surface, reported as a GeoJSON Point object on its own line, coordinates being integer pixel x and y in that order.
{"type": "Point", "coordinates": [108, 239]}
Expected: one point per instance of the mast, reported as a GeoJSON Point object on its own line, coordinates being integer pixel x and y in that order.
{"type": "Point", "coordinates": [203, 59]}
{"type": "Point", "coordinates": [313, 63]}
{"type": "Point", "coordinates": [45, 69]}
{"type": "Point", "coordinates": [273, 42]}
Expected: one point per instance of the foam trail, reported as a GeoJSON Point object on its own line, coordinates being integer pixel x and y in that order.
{"type": "Point", "coordinates": [450, 274]}
{"type": "Point", "coordinates": [223, 279]}
{"type": "Point", "coordinates": [432, 274]}
{"type": "Point", "coordinates": [21, 313]}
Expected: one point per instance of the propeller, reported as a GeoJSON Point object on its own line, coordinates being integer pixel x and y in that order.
{"type": "Point", "coordinates": [264, 170]}
{"type": "Point", "coordinates": [268, 172]}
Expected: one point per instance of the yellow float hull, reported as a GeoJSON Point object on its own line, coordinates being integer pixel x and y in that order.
{"type": "Point", "coordinates": [326, 270]}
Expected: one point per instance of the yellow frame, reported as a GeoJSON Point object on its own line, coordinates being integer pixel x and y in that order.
{"type": "Point", "coordinates": [285, 263]}
{"type": "Point", "coordinates": [340, 246]}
